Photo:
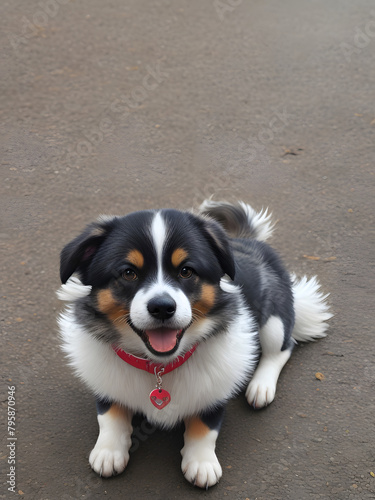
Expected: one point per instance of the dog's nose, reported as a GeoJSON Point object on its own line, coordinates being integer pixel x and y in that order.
{"type": "Point", "coordinates": [162, 307]}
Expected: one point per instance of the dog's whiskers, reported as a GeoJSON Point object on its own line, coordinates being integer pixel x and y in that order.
{"type": "Point", "coordinates": [122, 320]}
{"type": "Point", "coordinates": [197, 314]}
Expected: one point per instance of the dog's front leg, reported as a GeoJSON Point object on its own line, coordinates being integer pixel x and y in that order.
{"type": "Point", "coordinates": [199, 462]}
{"type": "Point", "coordinates": [110, 455]}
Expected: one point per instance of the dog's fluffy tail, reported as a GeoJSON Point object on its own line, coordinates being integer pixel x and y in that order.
{"type": "Point", "coordinates": [239, 220]}
{"type": "Point", "coordinates": [311, 309]}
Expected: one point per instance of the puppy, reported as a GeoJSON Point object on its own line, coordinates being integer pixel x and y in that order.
{"type": "Point", "coordinates": [168, 313]}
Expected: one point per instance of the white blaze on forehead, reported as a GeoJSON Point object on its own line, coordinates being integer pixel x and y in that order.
{"type": "Point", "coordinates": [139, 314]}
{"type": "Point", "coordinates": [159, 235]}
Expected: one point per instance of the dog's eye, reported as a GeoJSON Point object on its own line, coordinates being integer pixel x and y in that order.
{"type": "Point", "coordinates": [129, 275]}
{"type": "Point", "coordinates": [186, 272]}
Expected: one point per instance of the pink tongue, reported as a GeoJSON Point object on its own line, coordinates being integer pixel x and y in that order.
{"type": "Point", "coordinates": [162, 339]}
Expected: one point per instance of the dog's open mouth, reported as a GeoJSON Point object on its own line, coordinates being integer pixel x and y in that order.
{"type": "Point", "coordinates": [163, 340]}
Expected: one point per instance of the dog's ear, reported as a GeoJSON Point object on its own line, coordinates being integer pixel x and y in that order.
{"type": "Point", "coordinates": [77, 255]}
{"type": "Point", "coordinates": [219, 243]}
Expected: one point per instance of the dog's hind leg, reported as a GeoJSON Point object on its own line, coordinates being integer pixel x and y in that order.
{"type": "Point", "coordinates": [262, 387]}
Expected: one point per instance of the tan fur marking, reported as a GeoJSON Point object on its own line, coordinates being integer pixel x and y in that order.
{"type": "Point", "coordinates": [136, 258]}
{"type": "Point", "coordinates": [178, 256]}
{"type": "Point", "coordinates": [195, 428]}
{"type": "Point", "coordinates": [108, 306]}
{"type": "Point", "coordinates": [207, 300]}
{"type": "Point", "coordinates": [116, 411]}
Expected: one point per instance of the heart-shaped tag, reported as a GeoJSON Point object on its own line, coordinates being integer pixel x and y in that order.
{"type": "Point", "coordinates": [160, 398]}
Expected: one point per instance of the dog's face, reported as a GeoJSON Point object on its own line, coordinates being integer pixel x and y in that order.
{"type": "Point", "coordinates": [155, 280]}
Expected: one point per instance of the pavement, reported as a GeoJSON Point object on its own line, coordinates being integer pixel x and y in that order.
{"type": "Point", "coordinates": [110, 107]}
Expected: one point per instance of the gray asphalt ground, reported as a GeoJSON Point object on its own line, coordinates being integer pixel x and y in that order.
{"type": "Point", "coordinates": [114, 106]}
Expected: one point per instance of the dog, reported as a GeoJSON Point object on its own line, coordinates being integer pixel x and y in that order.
{"type": "Point", "coordinates": [169, 314]}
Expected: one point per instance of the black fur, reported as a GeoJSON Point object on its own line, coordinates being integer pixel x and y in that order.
{"type": "Point", "coordinates": [98, 257]}
{"type": "Point", "coordinates": [265, 283]}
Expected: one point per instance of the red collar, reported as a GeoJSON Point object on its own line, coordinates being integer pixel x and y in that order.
{"type": "Point", "coordinates": [149, 366]}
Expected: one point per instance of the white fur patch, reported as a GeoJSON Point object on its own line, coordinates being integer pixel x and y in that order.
{"type": "Point", "coordinates": [111, 452]}
{"type": "Point", "coordinates": [139, 314]}
{"type": "Point", "coordinates": [260, 222]}
{"type": "Point", "coordinates": [73, 290]}
{"type": "Point", "coordinates": [262, 388]}
{"type": "Point", "coordinates": [143, 320]}
{"type": "Point", "coordinates": [216, 371]}
{"type": "Point", "coordinates": [159, 234]}
{"type": "Point", "coordinates": [271, 336]}
{"type": "Point", "coordinates": [200, 465]}
{"type": "Point", "coordinates": [311, 308]}
{"type": "Point", "coordinates": [228, 286]}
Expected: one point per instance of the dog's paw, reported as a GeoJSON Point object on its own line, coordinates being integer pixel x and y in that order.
{"type": "Point", "coordinates": [201, 471]}
{"type": "Point", "coordinates": [107, 460]}
{"type": "Point", "coordinates": [260, 392]}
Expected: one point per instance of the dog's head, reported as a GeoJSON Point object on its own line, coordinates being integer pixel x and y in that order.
{"type": "Point", "coordinates": [155, 278]}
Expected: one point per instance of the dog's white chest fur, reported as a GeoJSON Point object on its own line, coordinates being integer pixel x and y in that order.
{"type": "Point", "coordinates": [217, 369]}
